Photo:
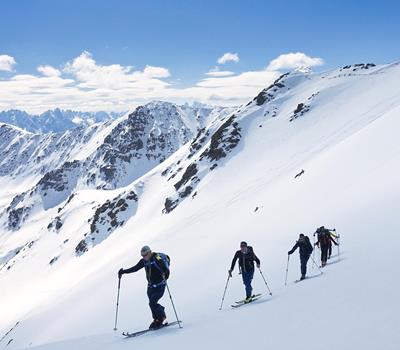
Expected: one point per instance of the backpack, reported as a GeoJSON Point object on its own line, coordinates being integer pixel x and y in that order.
{"type": "Point", "coordinates": [309, 245]}
{"type": "Point", "coordinates": [164, 258]}
{"type": "Point", "coordinates": [324, 237]}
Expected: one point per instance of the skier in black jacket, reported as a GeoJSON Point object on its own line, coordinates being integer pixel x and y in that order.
{"type": "Point", "coordinates": [246, 257]}
{"type": "Point", "coordinates": [305, 249]}
{"type": "Point", "coordinates": [157, 272]}
{"type": "Point", "coordinates": [325, 241]}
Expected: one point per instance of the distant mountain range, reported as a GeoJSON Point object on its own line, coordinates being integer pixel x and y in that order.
{"type": "Point", "coordinates": [55, 120]}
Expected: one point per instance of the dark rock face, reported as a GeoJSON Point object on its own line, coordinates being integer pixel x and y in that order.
{"type": "Point", "coordinates": [302, 108]}
{"type": "Point", "coordinates": [199, 141]}
{"type": "Point", "coordinates": [299, 111]}
{"type": "Point", "coordinates": [55, 224]}
{"type": "Point", "coordinates": [16, 217]}
{"type": "Point", "coordinates": [170, 205]}
{"type": "Point", "coordinates": [53, 260]}
{"type": "Point", "coordinates": [269, 93]}
{"type": "Point", "coordinates": [358, 66]}
{"type": "Point", "coordinates": [108, 213]}
{"type": "Point", "coordinates": [81, 248]}
{"type": "Point", "coordinates": [191, 171]}
{"type": "Point", "coordinates": [57, 180]}
{"type": "Point", "coordinates": [108, 217]}
{"type": "Point", "coordinates": [223, 141]}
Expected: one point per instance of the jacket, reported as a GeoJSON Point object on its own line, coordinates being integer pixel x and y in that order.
{"type": "Point", "coordinates": [246, 261]}
{"type": "Point", "coordinates": [155, 269]}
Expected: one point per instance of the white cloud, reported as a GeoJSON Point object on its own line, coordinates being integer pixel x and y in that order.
{"type": "Point", "coordinates": [89, 86]}
{"type": "Point", "coordinates": [294, 60]}
{"type": "Point", "coordinates": [156, 72]}
{"type": "Point", "coordinates": [114, 76]}
{"type": "Point", "coordinates": [6, 63]}
{"type": "Point", "coordinates": [228, 57]}
{"type": "Point", "coordinates": [222, 73]}
{"type": "Point", "coordinates": [216, 72]}
{"type": "Point", "coordinates": [49, 71]}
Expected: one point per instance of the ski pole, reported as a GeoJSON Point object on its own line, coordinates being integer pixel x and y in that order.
{"type": "Point", "coordinates": [269, 290]}
{"type": "Point", "coordinates": [316, 265]}
{"type": "Point", "coordinates": [116, 311]}
{"type": "Point", "coordinates": [314, 248]}
{"type": "Point", "coordinates": [173, 305]}
{"type": "Point", "coordinates": [338, 246]}
{"type": "Point", "coordinates": [287, 268]}
{"type": "Point", "coordinates": [223, 296]}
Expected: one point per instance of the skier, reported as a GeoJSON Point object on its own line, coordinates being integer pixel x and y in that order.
{"type": "Point", "coordinates": [324, 241]}
{"type": "Point", "coordinates": [246, 257]}
{"type": "Point", "coordinates": [305, 250]}
{"type": "Point", "coordinates": [157, 272]}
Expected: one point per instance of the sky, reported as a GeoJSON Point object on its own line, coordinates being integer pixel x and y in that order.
{"type": "Point", "coordinates": [114, 55]}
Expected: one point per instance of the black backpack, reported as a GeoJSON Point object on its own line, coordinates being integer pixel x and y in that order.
{"type": "Point", "coordinates": [324, 237]}
{"type": "Point", "coordinates": [309, 246]}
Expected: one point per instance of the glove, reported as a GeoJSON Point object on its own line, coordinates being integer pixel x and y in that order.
{"type": "Point", "coordinates": [288, 253]}
{"type": "Point", "coordinates": [163, 277]}
{"type": "Point", "coordinates": [230, 273]}
{"type": "Point", "coordinates": [258, 266]}
{"type": "Point", "coordinates": [120, 272]}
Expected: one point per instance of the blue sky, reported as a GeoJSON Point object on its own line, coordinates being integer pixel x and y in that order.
{"type": "Point", "coordinates": [184, 37]}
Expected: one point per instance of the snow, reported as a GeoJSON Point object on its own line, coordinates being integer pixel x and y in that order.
{"type": "Point", "coordinates": [348, 146]}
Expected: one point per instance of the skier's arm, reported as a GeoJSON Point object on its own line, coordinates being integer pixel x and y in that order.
{"type": "Point", "coordinates": [135, 268]}
{"type": "Point", "coordinates": [257, 260]}
{"type": "Point", "coordinates": [234, 261]}
{"type": "Point", "coordinates": [294, 248]}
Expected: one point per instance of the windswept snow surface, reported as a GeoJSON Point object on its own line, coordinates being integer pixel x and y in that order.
{"type": "Point", "coordinates": [346, 140]}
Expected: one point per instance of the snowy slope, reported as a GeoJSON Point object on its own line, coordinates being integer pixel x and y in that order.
{"type": "Point", "coordinates": [235, 181]}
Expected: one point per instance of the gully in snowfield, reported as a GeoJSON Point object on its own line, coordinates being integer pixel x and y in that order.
{"type": "Point", "coordinates": [305, 249]}
{"type": "Point", "coordinates": [157, 272]}
{"type": "Point", "coordinates": [246, 257]}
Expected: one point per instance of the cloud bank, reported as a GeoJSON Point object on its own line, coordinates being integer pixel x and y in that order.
{"type": "Point", "coordinates": [84, 84]}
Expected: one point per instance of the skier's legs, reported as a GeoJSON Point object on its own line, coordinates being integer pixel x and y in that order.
{"type": "Point", "coordinates": [155, 294]}
{"type": "Point", "coordinates": [324, 254]}
{"type": "Point", "coordinates": [303, 264]}
{"type": "Point", "coordinates": [330, 251]}
{"type": "Point", "coordinates": [247, 278]}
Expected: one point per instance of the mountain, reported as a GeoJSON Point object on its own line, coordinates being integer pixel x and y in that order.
{"type": "Point", "coordinates": [233, 180]}
{"type": "Point", "coordinates": [56, 120]}
{"type": "Point", "coordinates": [106, 156]}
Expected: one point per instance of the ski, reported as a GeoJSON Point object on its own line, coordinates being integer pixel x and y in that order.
{"type": "Point", "coordinates": [243, 300]}
{"type": "Point", "coordinates": [136, 334]}
{"type": "Point", "coordinates": [258, 296]}
{"type": "Point", "coordinates": [297, 281]}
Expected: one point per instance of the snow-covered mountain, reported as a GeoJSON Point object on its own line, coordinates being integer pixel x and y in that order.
{"type": "Point", "coordinates": [106, 156]}
{"type": "Point", "coordinates": [56, 120]}
{"type": "Point", "coordinates": [194, 184]}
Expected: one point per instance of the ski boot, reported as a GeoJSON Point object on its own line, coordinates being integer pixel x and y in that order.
{"type": "Point", "coordinates": [158, 323]}
{"type": "Point", "coordinates": [248, 299]}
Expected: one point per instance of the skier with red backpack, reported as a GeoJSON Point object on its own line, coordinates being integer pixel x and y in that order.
{"type": "Point", "coordinates": [156, 266]}
{"type": "Point", "coordinates": [324, 241]}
